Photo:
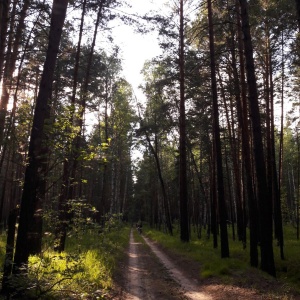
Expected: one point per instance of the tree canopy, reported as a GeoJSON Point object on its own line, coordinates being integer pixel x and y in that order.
{"type": "Point", "coordinates": [217, 130]}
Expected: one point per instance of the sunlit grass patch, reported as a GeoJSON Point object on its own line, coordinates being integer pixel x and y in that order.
{"type": "Point", "coordinates": [84, 270]}
{"type": "Point", "coordinates": [203, 252]}
{"type": "Point", "coordinates": [2, 248]}
{"type": "Point", "coordinates": [236, 269]}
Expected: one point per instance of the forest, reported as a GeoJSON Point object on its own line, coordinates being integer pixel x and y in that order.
{"type": "Point", "coordinates": [211, 152]}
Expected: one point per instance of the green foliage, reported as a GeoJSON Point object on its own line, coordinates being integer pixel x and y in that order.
{"type": "Point", "coordinates": [203, 252]}
{"type": "Point", "coordinates": [236, 268]}
{"type": "Point", "coordinates": [288, 269]}
{"type": "Point", "coordinates": [83, 271]}
{"type": "Point", "coordinates": [2, 248]}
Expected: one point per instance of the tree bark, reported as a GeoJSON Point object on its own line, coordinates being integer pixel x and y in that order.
{"type": "Point", "coordinates": [280, 162]}
{"type": "Point", "coordinates": [10, 241]}
{"type": "Point", "coordinates": [242, 113]}
{"type": "Point", "coordinates": [30, 198]}
{"type": "Point", "coordinates": [183, 189]}
{"type": "Point", "coordinates": [213, 198]}
{"type": "Point", "coordinates": [241, 230]}
{"type": "Point", "coordinates": [154, 151]}
{"type": "Point", "coordinates": [275, 185]}
{"type": "Point", "coordinates": [217, 141]}
{"type": "Point", "coordinates": [4, 17]}
{"type": "Point", "coordinates": [264, 200]}
{"type": "Point", "coordinates": [10, 68]}
{"type": "Point", "coordinates": [65, 193]}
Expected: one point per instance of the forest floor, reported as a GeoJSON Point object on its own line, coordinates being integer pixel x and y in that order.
{"type": "Point", "coordinates": [151, 272]}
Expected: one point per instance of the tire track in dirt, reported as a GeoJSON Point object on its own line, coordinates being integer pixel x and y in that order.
{"type": "Point", "coordinates": [146, 277]}
{"type": "Point", "coordinates": [152, 275]}
{"type": "Point", "coordinates": [191, 289]}
{"type": "Point", "coordinates": [134, 270]}
{"type": "Point", "coordinates": [149, 273]}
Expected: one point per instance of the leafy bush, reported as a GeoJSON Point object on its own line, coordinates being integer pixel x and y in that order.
{"type": "Point", "coordinates": [83, 271]}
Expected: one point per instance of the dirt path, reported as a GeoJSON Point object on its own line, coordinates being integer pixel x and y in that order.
{"type": "Point", "coordinates": [151, 272]}
{"type": "Point", "coordinates": [135, 271]}
{"type": "Point", "coordinates": [152, 275]}
{"type": "Point", "coordinates": [146, 277]}
{"type": "Point", "coordinates": [191, 289]}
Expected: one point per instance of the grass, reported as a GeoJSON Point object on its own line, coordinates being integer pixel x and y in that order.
{"type": "Point", "coordinates": [288, 269]}
{"type": "Point", "coordinates": [83, 271]}
{"type": "Point", "coordinates": [236, 269]}
{"type": "Point", "coordinates": [87, 266]}
{"type": "Point", "coordinates": [2, 248]}
{"type": "Point", "coordinates": [203, 252]}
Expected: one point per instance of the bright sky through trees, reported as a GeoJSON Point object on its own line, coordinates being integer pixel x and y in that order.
{"type": "Point", "coordinates": [135, 47]}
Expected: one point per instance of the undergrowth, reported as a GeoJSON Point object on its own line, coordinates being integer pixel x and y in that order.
{"type": "Point", "coordinates": [2, 248]}
{"type": "Point", "coordinates": [83, 271]}
{"type": "Point", "coordinates": [237, 267]}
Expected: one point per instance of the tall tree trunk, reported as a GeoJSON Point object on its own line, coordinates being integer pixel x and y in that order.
{"type": "Point", "coordinates": [4, 17]}
{"type": "Point", "coordinates": [104, 191]}
{"type": "Point", "coordinates": [265, 202]}
{"type": "Point", "coordinates": [241, 228]}
{"type": "Point", "coordinates": [217, 141]}
{"type": "Point", "coordinates": [213, 198]}
{"type": "Point", "coordinates": [242, 113]}
{"type": "Point", "coordinates": [66, 187]}
{"type": "Point", "coordinates": [275, 185]}
{"type": "Point", "coordinates": [84, 91]}
{"type": "Point", "coordinates": [10, 241]}
{"type": "Point", "coordinates": [10, 68]}
{"type": "Point", "coordinates": [166, 208]}
{"type": "Point", "coordinates": [183, 188]}
{"type": "Point", "coordinates": [70, 168]}
{"type": "Point", "coordinates": [280, 162]}
{"type": "Point", "coordinates": [30, 197]}
{"type": "Point", "coordinates": [10, 128]}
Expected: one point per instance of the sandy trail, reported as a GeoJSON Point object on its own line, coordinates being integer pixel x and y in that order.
{"type": "Point", "coordinates": [149, 273]}
{"type": "Point", "coordinates": [191, 290]}
{"type": "Point", "coordinates": [152, 275]}
{"type": "Point", "coordinates": [135, 271]}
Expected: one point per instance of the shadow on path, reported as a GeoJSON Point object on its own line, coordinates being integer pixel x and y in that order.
{"type": "Point", "coordinates": [152, 275]}
{"type": "Point", "coordinates": [191, 290]}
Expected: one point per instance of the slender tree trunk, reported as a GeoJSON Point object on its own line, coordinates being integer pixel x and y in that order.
{"type": "Point", "coordinates": [232, 214]}
{"type": "Point", "coordinates": [217, 141]}
{"type": "Point", "coordinates": [237, 174]}
{"type": "Point", "coordinates": [183, 189]}
{"type": "Point", "coordinates": [10, 68]}
{"type": "Point", "coordinates": [30, 197]}
{"type": "Point", "coordinates": [4, 17]}
{"type": "Point", "coordinates": [276, 189]}
{"type": "Point", "coordinates": [166, 209]}
{"type": "Point", "coordinates": [10, 241]}
{"type": "Point", "coordinates": [280, 162]}
{"type": "Point", "coordinates": [68, 174]}
{"type": "Point", "coordinates": [265, 202]}
{"type": "Point", "coordinates": [104, 193]}
{"type": "Point", "coordinates": [82, 106]}
{"type": "Point", "coordinates": [242, 113]}
{"type": "Point", "coordinates": [10, 131]}
{"type": "Point", "coordinates": [213, 199]}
